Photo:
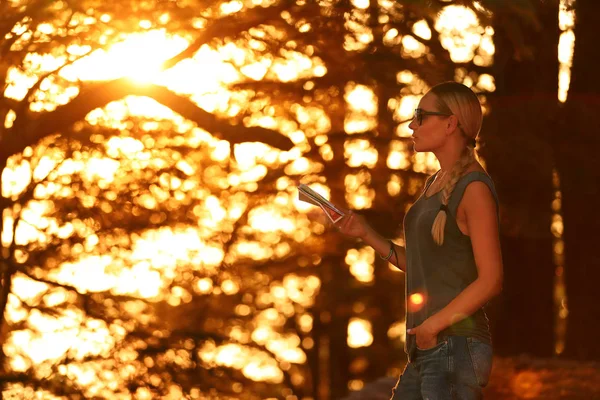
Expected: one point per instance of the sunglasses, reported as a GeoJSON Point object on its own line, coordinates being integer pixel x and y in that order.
{"type": "Point", "coordinates": [420, 113]}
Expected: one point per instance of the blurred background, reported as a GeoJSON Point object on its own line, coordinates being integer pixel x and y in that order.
{"type": "Point", "coordinates": [153, 244]}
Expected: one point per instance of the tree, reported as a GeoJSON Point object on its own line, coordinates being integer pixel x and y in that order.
{"type": "Point", "coordinates": [576, 146]}
{"type": "Point", "coordinates": [521, 121]}
{"type": "Point", "coordinates": [164, 183]}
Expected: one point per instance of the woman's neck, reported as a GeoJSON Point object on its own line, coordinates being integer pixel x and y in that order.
{"type": "Point", "coordinates": [448, 157]}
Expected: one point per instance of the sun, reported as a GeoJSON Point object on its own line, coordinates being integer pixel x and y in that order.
{"type": "Point", "coordinates": [140, 57]}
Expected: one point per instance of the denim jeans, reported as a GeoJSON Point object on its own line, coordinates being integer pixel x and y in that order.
{"type": "Point", "coordinates": [458, 368]}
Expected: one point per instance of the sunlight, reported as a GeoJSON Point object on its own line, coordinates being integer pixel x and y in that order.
{"type": "Point", "coordinates": [52, 337]}
{"type": "Point", "coordinates": [361, 4]}
{"type": "Point", "coordinates": [397, 331]}
{"type": "Point", "coordinates": [359, 333]}
{"type": "Point", "coordinates": [463, 36]}
{"type": "Point", "coordinates": [425, 162]}
{"type": "Point", "coordinates": [394, 185]}
{"type": "Point", "coordinates": [411, 47]}
{"type": "Point", "coordinates": [361, 263]}
{"type": "Point", "coordinates": [139, 57]}
{"type": "Point", "coordinates": [358, 193]}
{"type": "Point", "coordinates": [398, 156]}
{"type": "Point", "coordinates": [405, 108]}
{"type": "Point", "coordinates": [254, 364]}
{"type": "Point", "coordinates": [362, 104]}
{"type": "Point", "coordinates": [566, 46]}
{"type": "Point", "coordinates": [268, 220]}
{"type": "Point", "coordinates": [360, 152]}
{"type": "Point", "coordinates": [152, 267]}
{"type": "Point", "coordinates": [421, 29]}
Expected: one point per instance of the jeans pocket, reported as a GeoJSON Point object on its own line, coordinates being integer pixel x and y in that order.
{"type": "Point", "coordinates": [481, 358]}
{"type": "Point", "coordinates": [432, 349]}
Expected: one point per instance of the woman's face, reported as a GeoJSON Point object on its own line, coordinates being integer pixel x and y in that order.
{"type": "Point", "coordinates": [430, 134]}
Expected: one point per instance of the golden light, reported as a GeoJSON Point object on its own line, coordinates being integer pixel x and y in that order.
{"type": "Point", "coordinates": [11, 116]}
{"type": "Point", "coordinates": [139, 57]}
{"type": "Point", "coordinates": [421, 29]}
{"type": "Point", "coordinates": [566, 45]}
{"type": "Point", "coordinates": [405, 109]}
{"type": "Point", "coordinates": [362, 104]}
{"type": "Point", "coordinates": [361, 4]}
{"type": "Point", "coordinates": [305, 321]}
{"type": "Point", "coordinates": [486, 82]}
{"type": "Point", "coordinates": [360, 35]}
{"type": "Point", "coordinates": [561, 309]}
{"type": "Point", "coordinates": [254, 364]}
{"type": "Point", "coordinates": [526, 385]}
{"type": "Point", "coordinates": [463, 36]}
{"type": "Point", "coordinates": [51, 337]}
{"type": "Point", "coordinates": [313, 121]}
{"type": "Point", "coordinates": [394, 185]}
{"type": "Point", "coordinates": [360, 152]}
{"type": "Point", "coordinates": [416, 301]}
{"type": "Point", "coordinates": [355, 384]}
{"type": "Point", "coordinates": [425, 162]}
{"type": "Point", "coordinates": [416, 298]}
{"type": "Point", "coordinates": [411, 47]}
{"type": "Point", "coordinates": [397, 331]}
{"type": "Point", "coordinates": [391, 37]}
{"type": "Point", "coordinates": [358, 193]}
{"type": "Point", "coordinates": [359, 333]}
{"type": "Point", "coordinates": [361, 263]}
{"type": "Point", "coordinates": [398, 155]}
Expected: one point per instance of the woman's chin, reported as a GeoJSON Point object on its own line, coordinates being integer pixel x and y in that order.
{"type": "Point", "coordinates": [419, 148]}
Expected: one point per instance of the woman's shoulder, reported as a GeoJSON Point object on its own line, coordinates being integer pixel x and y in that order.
{"type": "Point", "coordinates": [475, 167]}
{"type": "Point", "coordinates": [477, 183]}
{"type": "Point", "coordinates": [477, 179]}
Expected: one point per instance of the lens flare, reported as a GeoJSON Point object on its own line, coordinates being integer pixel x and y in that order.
{"type": "Point", "coordinates": [526, 385]}
{"type": "Point", "coordinates": [416, 301]}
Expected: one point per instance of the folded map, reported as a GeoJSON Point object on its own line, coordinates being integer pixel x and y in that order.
{"type": "Point", "coordinates": [306, 194]}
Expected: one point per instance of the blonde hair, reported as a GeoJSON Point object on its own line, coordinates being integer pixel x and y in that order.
{"type": "Point", "coordinates": [458, 100]}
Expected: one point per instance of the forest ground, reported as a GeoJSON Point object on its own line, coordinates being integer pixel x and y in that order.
{"type": "Point", "coordinates": [519, 378]}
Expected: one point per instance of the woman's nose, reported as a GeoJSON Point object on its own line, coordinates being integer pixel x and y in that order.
{"type": "Point", "coordinates": [413, 125]}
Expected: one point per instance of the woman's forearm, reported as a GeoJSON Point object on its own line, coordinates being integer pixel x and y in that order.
{"type": "Point", "coordinates": [382, 246]}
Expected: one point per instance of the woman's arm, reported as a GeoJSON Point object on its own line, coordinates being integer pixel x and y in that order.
{"type": "Point", "coordinates": [356, 226]}
{"type": "Point", "coordinates": [383, 247]}
{"type": "Point", "coordinates": [481, 217]}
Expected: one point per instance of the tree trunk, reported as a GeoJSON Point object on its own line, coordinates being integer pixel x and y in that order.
{"type": "Point", "coordinates": [577, 147]}
{"type": "Point", "coordinates": [519, 159]}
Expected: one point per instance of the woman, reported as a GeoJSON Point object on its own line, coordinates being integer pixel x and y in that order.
{"type": "Point", "coordinates": [451, 257]}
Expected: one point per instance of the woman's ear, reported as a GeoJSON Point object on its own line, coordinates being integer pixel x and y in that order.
{"type": "Point", "coordinates": [451, 124]}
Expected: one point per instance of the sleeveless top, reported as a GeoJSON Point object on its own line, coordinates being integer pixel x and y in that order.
{"type": "Point", "coordinates": [435, 274]}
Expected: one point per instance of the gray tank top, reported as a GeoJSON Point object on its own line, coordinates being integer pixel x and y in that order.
{"type": "Point", "coordinates": [435, 275]}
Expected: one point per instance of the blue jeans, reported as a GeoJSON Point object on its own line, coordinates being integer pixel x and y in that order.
{"type": "Point", "coordinates": [458, 368]}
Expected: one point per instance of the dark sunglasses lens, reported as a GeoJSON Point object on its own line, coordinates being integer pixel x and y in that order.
{"type": "Point", "coordinates": [419, 116]}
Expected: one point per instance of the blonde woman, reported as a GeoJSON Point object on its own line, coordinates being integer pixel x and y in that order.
{"type": "Point", "coordinates": [451, 257]}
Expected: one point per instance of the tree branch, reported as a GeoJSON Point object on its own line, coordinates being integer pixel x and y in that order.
{"type": "Point", "coordinates": [230, 25]}
{"type": "Point", "coordinates": [97, 95]}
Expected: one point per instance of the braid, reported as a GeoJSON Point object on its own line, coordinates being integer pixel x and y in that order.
{"type": "Point", "coordinates": [439, 224]}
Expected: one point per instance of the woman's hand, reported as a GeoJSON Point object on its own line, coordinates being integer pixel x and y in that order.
{"type": "Point", "coordinates": [425, 334]}
{"type": "Point", "coordinates": [353, 225]}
